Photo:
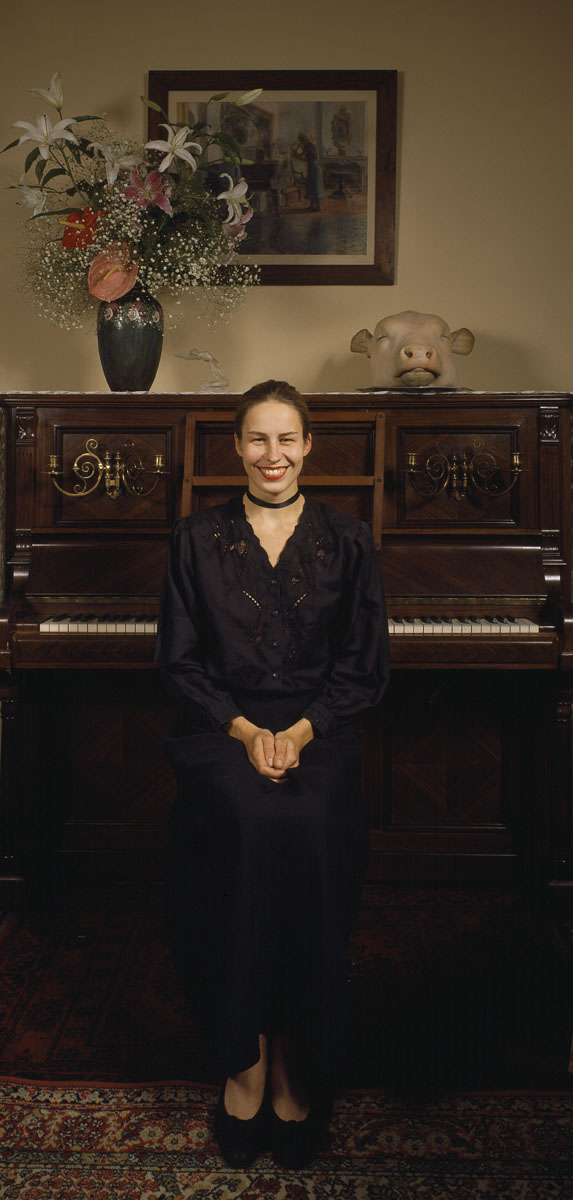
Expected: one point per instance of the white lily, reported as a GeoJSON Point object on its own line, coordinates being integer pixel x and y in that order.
{"type": "Point", "coordinates": [31, 197]}
{"type": "Point", "coordinates": [45, 133]}
{"type": "Point", "coordinates": [175, 145]}
{"type": "Point", "coordinates": [247, 98]}
{"type": "Point", "coordinates": [234, 198]}
{"type": "Point", "coordinates": [54, 95]}
{"type": "Point", "coordinates": [115, 161]}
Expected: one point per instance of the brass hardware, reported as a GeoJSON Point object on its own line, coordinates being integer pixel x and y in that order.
{"type": "Point", "coordinates": [115, 471]}
{"type": "Point", "coordinates": [458, 471]}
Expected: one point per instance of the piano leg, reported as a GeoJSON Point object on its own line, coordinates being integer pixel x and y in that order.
{"type": "Point", "coordinates": [11, 878]}
{"type": "Point", "coordinates": [561, 880]}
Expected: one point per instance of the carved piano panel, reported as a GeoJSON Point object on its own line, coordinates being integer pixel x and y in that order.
{"type": "Point", "coordinates": [467, 765]}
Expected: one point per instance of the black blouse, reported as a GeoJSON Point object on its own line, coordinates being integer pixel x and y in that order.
{"type": "Point", "coordinates": [232, 627]}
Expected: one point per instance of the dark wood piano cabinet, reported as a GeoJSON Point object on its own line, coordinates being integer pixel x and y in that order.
{"type": "Point", "coordinates": [467, 764]}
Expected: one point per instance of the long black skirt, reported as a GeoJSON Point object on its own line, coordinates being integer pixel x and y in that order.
{"type": "Point", "coordinates": [263, 884]}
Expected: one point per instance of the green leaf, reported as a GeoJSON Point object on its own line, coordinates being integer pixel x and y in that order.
{"type": "Point", "coordinates": [52, 174]}
{"type": "Point", "coordinates": [31, 158]}
{"type": "Point", "coordinates": [219, 96]}
{"type": "Point", "coordinates": [228, 142]}
{"type": "Point", "coordinates": [152, 104]}
{"type": "Point", "coordinates": [10, 145]}
{"type": "Point", "coordinates": [57, 212]}
{"type": "Point", "coordinates": [89, 117]}
{"type": "Point", "coordinates": [40, 168]}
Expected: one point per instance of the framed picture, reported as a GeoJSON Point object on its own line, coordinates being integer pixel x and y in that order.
{"type": "Point", "coordinates": [319, 157]}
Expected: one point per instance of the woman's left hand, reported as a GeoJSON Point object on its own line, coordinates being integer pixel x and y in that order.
{"type": "Point", "coordinates": [290, 742]}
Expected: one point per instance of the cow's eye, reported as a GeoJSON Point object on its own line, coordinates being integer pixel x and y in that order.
{"type": "Point", "coordinates": [381, 337]}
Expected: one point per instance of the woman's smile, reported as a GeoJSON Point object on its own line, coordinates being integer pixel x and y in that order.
{"type": "Point", "coordinates": [273, 472]}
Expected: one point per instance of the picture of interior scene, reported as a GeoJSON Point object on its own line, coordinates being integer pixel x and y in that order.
{"type": "Point", "coordinates": [306, 164]}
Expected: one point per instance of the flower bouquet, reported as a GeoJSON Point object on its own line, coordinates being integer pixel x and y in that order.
{"type": "Point", "coordinates": [111, 215]}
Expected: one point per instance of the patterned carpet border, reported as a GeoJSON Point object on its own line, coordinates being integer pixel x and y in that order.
{"type": "Point", "coordinates": [154, 1142]}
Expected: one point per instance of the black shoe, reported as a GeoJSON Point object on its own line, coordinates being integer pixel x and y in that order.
{"type": "Point", "coordinates": [296, 1143]}
{"type": "Point", "coordinates": [240, 1142]}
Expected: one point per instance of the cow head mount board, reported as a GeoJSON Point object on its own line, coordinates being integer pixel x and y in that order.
{"type": "Point", "coordinates": [412, 349]}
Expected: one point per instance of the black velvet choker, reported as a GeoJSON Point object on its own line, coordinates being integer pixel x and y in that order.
{"type": "Point", "coordinates": [269, 503]}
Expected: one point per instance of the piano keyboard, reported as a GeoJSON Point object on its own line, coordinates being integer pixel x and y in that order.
{"type": "Point", "coordinates": [461, 626]}
{"type": "Point", "coordinates": [398, 626]}
{"type": "Point", "coordinates": [88, 623]}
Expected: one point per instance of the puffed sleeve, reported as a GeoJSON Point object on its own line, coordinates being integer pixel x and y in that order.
{"type": "Point", "coordinates": [180, 636]}
{"type": "Point", "coordinates": [359, 670]}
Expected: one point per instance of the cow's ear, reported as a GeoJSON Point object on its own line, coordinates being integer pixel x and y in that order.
{"type": "Point", "coordinates": [462, 341]}
{"type": "Point", "coordinates": [360, 343]}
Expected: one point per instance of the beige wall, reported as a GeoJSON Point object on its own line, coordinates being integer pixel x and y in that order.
{"type": "Point", "coordinates": [485, 177]}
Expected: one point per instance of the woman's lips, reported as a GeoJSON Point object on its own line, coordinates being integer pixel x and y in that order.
{"type": "Point", "coordinates": [273, 472]}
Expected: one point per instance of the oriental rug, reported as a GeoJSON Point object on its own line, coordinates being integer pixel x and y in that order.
{"type": "Point", "coordinates": [153, 1142]}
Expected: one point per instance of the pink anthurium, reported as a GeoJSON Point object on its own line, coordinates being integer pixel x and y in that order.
{"type": "Point", "coordinates": [112, 273]}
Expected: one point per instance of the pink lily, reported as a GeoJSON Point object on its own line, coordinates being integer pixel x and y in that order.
{"type": "Point", "coordinates": [154, 189]}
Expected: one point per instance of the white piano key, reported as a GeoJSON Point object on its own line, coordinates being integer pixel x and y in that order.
{"type": "Point", "coordinates": [51, 625]}
{"type": "Point", "coordinates": [503, 626]}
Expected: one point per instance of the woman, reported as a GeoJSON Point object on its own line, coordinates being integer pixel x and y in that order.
{"type": "Point", "coordinates": [307, 148]}
{"type": "Point", "coordinates": [272, 635]}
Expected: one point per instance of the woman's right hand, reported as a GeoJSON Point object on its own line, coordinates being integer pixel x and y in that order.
{"type": "Point", "coordinates": [259, 745]}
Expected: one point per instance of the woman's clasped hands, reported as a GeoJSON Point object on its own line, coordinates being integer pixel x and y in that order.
{"type": "Point", "coordinates": [272, 754]}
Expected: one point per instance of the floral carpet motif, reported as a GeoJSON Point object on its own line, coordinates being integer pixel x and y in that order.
{"type": "Point", "coordinates": [153, 1142]}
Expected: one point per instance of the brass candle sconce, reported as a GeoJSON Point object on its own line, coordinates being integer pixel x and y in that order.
{"type": "Point", "coordinates": [457, 472]}
{"type": "Point", "coordinates": [114, 471]}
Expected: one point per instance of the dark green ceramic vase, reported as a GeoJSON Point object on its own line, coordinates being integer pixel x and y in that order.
{"type": "Point", "coordinates": [130, 340]}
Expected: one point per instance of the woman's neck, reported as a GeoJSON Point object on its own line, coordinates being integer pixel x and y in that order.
{"type": "Point", "coordinates": [265, 503]}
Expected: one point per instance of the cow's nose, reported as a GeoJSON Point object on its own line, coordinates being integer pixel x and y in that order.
{"type": "Point", "coordinates": [420, 353]}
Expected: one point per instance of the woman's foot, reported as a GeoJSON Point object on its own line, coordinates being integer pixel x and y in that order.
{"type": "Point", "coordinates": [287, 1096]}
{"type": "Point", "coordinates": [244, 1092]}
{"type": "Point", "coordinates": [297, 1132]}
{"type": "Point", "coordinates": [240, 1117]}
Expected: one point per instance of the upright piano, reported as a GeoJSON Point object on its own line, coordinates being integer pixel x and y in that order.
{"type": "Point", "coordinates": [467, 765]}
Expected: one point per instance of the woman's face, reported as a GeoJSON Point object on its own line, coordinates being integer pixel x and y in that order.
{"type": "Point", "coordinates": [272, 447]}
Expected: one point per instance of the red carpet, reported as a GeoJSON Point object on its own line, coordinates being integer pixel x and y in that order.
{"type": "Point", "coordinates": [81, 1142]}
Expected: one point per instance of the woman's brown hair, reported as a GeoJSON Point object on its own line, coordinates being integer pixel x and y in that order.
{"type": "Point", "coordinates": [272, 389]}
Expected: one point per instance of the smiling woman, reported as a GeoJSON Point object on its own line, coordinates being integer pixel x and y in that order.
{"type": "Point", "coordinates": [272, 636]}
{"type": "Point", "coordinates": [272, 437]}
